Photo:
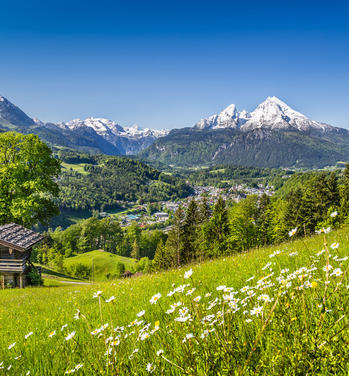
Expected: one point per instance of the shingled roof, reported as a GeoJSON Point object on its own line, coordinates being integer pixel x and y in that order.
{"type": "Point", "coordinates": [18, 237]}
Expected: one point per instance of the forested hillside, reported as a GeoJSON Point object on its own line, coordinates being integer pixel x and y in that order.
{"type": "Point", "coordinates": [256, 147]}
{"type": "Point", "coordinates": [99, 182]}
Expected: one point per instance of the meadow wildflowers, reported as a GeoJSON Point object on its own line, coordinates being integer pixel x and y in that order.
{"type": "Point", "coordinates": [288, 316]}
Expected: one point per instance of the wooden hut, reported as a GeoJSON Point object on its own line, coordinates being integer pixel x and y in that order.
{"type": "Point", "coordinates": [16, 244]}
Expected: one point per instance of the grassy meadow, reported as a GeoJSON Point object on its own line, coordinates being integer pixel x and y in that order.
{"type": "Point", "coordinates": [104, 263]}
{"type": "Point", "coordinates": [279, 310]}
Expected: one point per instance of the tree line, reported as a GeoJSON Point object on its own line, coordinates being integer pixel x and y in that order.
{"type": "Point", "coordinates": [200, 233]}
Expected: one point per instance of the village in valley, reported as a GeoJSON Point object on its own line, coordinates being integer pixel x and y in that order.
{"type": "Point", "coordinates": [159, 214]}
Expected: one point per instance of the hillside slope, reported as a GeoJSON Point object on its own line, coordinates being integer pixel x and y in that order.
{"type": "Point", "coordinates": [104, 263]}
{"type": "Point", "coordinates": [276, 310]}
{"type": "Point", "coordinates": [257, 147]}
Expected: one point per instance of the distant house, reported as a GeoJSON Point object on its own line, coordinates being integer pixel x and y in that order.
{"type": "Point", "coordinates": [16, 244]}
{"type": "Point", "coordinates": [161, 216]}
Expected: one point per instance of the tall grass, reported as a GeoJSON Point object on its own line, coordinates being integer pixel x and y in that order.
{"type": "Point", "coordinates": [277, 310]}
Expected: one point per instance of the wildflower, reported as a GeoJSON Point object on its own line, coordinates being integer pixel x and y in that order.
{"type": "Point", "coordinates": [28, 335]}
{"type": "Point", "coordinates": [250, 279]}
{"type": "Point", "coordinates": [53, 333]}
{"type": "Point", "coordinates": [110, 299]}
{"type": "Point", "coordinates": [293, 254]}
{"type": "Point", "coordinates": [188, 336]}
{"type": "Point", "coordinates": [248, 320]}
{"type": "Point", "coordinates": [204, 334]}
{"type": "Point", "coordinates": [327, 268]}
{"type": "Point", "coordinates": [97, 294]}
{"type": "Point", "coordinates": [64, 326]}
{"type": "Point", "coordinates": [292, 232]}
{"type": "Point", "coordinates": [265, 298]}
{"type": "Point", "coordinates": [207, 295]}
{"type": "Point", "coordinates": [267, 265]}
{"type": "Point", "coordinates": [313, 284]}
{"type": "Point", "coordinates": [182, 318]}
{"type": "Point", "coordinates": [334, 245]}
{"type": "Point", "coordinates": [155, 298]}
{"type": "Point", "coordinates": [12, 345]}
{"type": "Point", "coordinates": [77, 315]}
{"type": "Point", "coordinates": [189, 292]}
{"type": "Point", "coordinates": [188, 274]}
{"type": "Point", "coordinates": [222, 287]}
{"type": "Point", "coordinates": [334, 214]}
{"type": "Point", "coordinates": [151, 367]}
{"type": "Point", "coordinates": [337, 272]}
{"type": "Point", "coordinates": [144, 336]}
{"type": "Point", "coordinates": [197, 299]}
{"type": "Point", "coordinates": [70, 336]}
{"type": "Point", "coordinates": [256, 311]}
{"type": "Point", "coordinates": [141, 313]}
{"type": "Point", "coordinates": [159, 352]}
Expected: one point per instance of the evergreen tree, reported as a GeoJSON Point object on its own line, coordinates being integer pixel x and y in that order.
{"type": "Point", "coordinates": [174, 243]}
{"type": "Point", "coordinates": [264, 220]}
{"type": "Point", "coordinates": [135, 253]}
{"type": "Point", "coordinates": [163, 259]}
{"type": "Point", "coordinates": [190, 226]}
{"type": "Point", "coordinates": [218, 229]}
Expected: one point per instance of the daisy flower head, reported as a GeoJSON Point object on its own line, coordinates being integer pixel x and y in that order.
{"type": "Point", "coordinates": [334, 245]}
{"type": "Point", "coordinates": [70, 336]}
{"type": "Point", "coordinates": [110, 299]}
{"type": "Point", "coordinates": [292, 232]}
{"type": "Point", "coordinates": [256, 311]}
{"type": "Point", "coordinates": [159, 352]}
{"type": "Point", "coordinates": [327, 268]}
{"type": "Point", "coordinates": [150, 367]}
{"type": "Point", "coordinates": [28, 335]}
{"type": "Point", "coordinates": [337, 272]}
{"type": "Point", "coordinates": [334, 214]}
{"type": "Point", "coordinates": [53, 333]}
{"type": "Point", "coordinates": [155, 298]}
{"type": "Point", "coordinates": [97, 294]}
{"type": "Point", "coordinates": [141, 313]}
{"type": "Point", "coordinates": [188, 274]}
{"type": "Point", "coordinates": [12, 345]}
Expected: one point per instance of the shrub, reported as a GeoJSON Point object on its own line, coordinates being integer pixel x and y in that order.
{"type": "Point", "coordinates": [79, 270]}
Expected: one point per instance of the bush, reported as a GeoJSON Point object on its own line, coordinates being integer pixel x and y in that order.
{"type": "Point", "coordinates": [120, 269]}
{"type": "Point", "coordinates": [34, 278]}
{"type": "Point", "coordinates": [79, 270]}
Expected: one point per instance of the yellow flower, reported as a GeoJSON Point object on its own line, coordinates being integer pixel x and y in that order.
{"type": "Point", "coordinates": [314, 285]}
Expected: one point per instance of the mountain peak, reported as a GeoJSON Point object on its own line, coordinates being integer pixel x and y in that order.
{"type": "Point", "coordinates": [9, 113]}
{"type": "Point", "coordinates": [272, 113]}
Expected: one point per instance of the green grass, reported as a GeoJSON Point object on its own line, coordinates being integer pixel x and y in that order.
{"type": "Point", "coordinates": [302, 331]}
{"type": "Point", "coordinates": [78, 167]}
{"type": "Point", "coordinates": [104, 263]}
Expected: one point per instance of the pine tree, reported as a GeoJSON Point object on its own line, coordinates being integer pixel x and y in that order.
{"type": "Point", "coordinates": [190, 226]}
{"type": "Point", "coordinates": [218, 229]}
{"type": "Point", "coordinates": [174, 243]}
{"type": "Point", "coordinates": [264, 220]}
{"type": "Point", "coordinates": [163, 259]}
{"type": "Point", "coordinates": [136, 252]}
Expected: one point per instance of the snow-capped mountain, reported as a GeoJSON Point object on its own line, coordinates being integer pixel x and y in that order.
{"type": "Point", "coordinates": [130, 139]}
{"type": "Point", "coordinates": [273, 113]}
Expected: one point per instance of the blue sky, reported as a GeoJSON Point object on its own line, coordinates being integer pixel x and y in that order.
{"type": "Point", "coordinates": [166, 64]}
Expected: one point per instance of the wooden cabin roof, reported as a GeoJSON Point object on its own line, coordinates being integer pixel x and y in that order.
{"type": "Point", "coordinates": [18, 237]}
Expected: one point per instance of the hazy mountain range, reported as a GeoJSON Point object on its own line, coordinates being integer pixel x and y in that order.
{"type": "Point", "coordinates": [273, 135]}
